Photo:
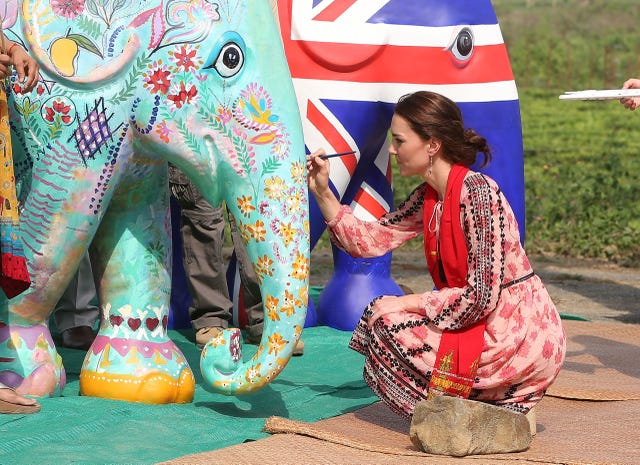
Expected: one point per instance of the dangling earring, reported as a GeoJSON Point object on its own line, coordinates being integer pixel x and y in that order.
{"type": "Point", "coordinates": [430, 164]}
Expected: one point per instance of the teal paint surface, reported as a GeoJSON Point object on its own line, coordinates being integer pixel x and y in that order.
{"type": "Point", "coordinates": [325, 382]}
{"type": "Point", "coordinates": [127, 86]}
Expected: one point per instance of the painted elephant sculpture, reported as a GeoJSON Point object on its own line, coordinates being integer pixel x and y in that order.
{"type": "Point", "coordinates": [351, 60]}
{"type": "Point", "coordinates": [128, 86]}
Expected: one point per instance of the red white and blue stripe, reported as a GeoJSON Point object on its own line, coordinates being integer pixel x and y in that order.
{"type": "Point", "coordinates": [350, 61]}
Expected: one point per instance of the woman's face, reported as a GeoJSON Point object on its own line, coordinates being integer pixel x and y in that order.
{"type": "Point", "coordinates": [410, 151]}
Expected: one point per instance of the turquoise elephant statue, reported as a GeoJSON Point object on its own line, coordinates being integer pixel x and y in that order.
{"type": "Point", "coordinates": [128, 86]}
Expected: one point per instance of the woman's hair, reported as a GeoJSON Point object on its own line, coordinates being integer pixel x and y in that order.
{"type": "Point", "coordinates": [434, 115]}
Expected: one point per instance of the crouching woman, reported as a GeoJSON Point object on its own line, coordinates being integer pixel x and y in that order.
{"type": "Point", "coordinates": [489, 332]}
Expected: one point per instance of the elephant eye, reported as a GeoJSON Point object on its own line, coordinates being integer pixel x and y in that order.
{"type": "Point", "coordinates": [227, 59]}
{"type": "Point", "coordinates": [462, 45]}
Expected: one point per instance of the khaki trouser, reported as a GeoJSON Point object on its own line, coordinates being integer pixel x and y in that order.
{"type": "Point", "coordinates": [78, 305]}
{"type": "Point", "coordinates": [202, 231]}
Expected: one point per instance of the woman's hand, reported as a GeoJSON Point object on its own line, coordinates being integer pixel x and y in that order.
{"type": "Point", "coordinates": [392, 304]}
{"type": "Point", "coordinates": [317, 173]}
{"type": "Point", "coordinates": [26, 67]}
{"type": "Point", "coordinates": [318, 182]}
{"type": "Point", "coordinates": [631, 102]}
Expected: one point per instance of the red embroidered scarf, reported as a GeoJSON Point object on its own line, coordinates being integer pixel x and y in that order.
{"type": "Point", "coordinates": [446, 253]}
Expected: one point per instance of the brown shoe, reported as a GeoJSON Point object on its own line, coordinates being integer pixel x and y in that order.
{"type": "Point", "coordinates": [79, 337]}
{"type": "Point", "coordinates": [204, 335]}
{"type": "Point", "coordinates": [298, 349]}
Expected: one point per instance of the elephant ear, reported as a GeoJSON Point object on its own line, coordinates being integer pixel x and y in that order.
{"type": "Point", "coordinates": [158, 25]}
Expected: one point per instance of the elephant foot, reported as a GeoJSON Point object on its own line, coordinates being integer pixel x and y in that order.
{"type": "Point", "coordinates": [29, 362]}
{"type": "Point", "coordinates": [137, 371]}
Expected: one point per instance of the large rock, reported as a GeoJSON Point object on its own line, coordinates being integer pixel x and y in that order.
{"type": "Point", "coordinates": [453, 426]}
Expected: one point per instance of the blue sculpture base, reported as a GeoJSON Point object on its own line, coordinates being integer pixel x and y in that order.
{"type": "Point", "coordinates": [354, 284]}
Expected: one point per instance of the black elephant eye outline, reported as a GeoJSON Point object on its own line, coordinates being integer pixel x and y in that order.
{"type": "Point", "coordinates": [463, 45]}
{"type": "Point", "coordinates": [228, 57]}
{"type": "Point", "coordinates": [229, 61]}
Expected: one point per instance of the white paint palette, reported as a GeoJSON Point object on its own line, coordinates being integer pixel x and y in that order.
{"type": "Point", "coordinates": [614, 94]}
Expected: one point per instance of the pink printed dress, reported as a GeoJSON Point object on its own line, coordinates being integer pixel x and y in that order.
{"type": "Point", "coordinates": [524, 342]}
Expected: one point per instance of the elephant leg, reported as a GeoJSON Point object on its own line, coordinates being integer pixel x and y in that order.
{"type": "Point", "coordinates": [29, 362]}
{"type": "Point", "coordinates": [132, 357]}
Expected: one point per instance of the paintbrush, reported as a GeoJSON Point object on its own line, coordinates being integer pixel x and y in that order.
{"type": "Point", "coordinates": [341, 154]}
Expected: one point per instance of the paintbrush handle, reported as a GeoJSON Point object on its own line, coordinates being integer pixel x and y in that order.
{"type": "Point", "coordinates": [333, 155]}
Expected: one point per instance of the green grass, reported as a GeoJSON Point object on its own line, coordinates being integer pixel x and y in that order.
{"type": "Point", "coordinates": [582, 163]}
{"type": "Point", "coordinates": [582, 174]}
{"type": "Point", "coordinates": [574, 44]}
{"type": "Point", "coordinates": [582, 159]}
{"type": "Point", "coordinates": [582, 170]}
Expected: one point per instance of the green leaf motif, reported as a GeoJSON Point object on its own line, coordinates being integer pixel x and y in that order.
{"type": "Point", "coordinates": [34, 126]}
{"type": "Point", "coordinates": [55, 129]}
{"type": "Point", "coordinates": [92, 7]}
{"type": "Point", "coordinates": [33, 107]}
{"type": "Point", "coordinates": [27, 107]}
{"type": "Point", "coordinates": [132, 81]}
{"type": "Point", "coordinates": [190, 140]}
{"type": "Point", "coordinates": [270, 165]}
{"type": "Point", "coordinates": [208, 116]}
{"type": "Point", "coordinates": [91, 27]}
{"type": "Point", "coordinates": [85, 43]}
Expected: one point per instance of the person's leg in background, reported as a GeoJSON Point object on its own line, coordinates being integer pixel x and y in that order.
{"type": "Point", "coordinates": [76, 312]}
{"type": "Point", "coordinates": [250, 288]}
{"type": "Point", "coordinates": [202, 231]}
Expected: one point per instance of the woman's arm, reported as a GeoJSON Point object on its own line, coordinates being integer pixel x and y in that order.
{"type": "Point", "coordinates": [362, 238]}
{"type": "Point", "coordinates": [318, 181]}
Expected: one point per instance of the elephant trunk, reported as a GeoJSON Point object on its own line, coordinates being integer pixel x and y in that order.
{"type": "Point", "coordinates": [285, 298]}
{"type": "Point", "coordinates": [272, 220]}
{"type": "Point", "coordinates": [260, 167]}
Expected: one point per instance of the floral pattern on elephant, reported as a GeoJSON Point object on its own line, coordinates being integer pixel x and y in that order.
{"type": "Point", "coordinates": [125, 88]}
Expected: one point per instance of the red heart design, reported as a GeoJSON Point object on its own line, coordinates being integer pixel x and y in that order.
{"type": "Point", "coordinates": [152, 323]}
{"type": "Point", "coordinates": [134, 323]}
{"type": "Point", "coordinates": [115, 320]}
{"type": "Point", "coordinates": [165, 321]}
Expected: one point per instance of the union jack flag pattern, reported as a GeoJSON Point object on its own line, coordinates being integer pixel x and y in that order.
{"type": "Point", "coordinates": [351, 60]}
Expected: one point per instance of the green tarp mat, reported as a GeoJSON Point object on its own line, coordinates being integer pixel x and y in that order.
{"type": "Point", "coordinates": [325, 382]}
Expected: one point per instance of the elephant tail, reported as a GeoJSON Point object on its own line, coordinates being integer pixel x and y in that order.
{"type": "Point", "coordinates": [221, 366]}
